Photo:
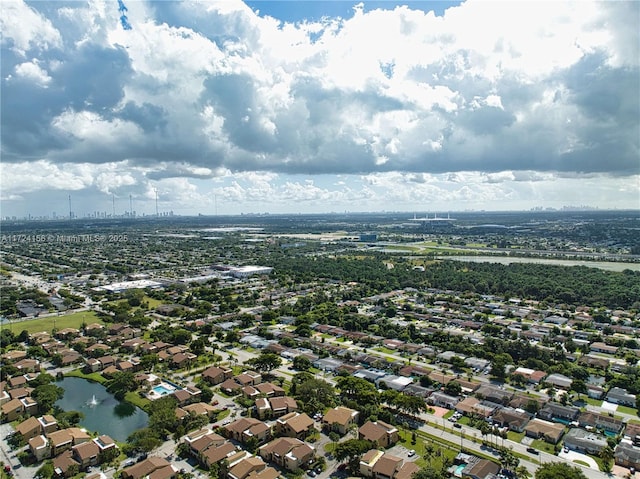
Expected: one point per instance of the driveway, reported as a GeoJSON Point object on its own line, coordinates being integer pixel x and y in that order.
{"type": "Point", "coordinates": [9, 457]}
{"type": "Point", "coordinates": [576, 456]}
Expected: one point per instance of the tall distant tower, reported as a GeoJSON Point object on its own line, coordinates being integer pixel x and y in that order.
{"type": "Point", "coordinates": [157, 213]}
{"type": "Point", "coordinates": [70, 213]}
{"type": "Point", "coordinates": [113, 204]}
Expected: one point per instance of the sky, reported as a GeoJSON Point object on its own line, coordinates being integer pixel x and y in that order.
{"type": "Point", "coordinates": [225, 107]}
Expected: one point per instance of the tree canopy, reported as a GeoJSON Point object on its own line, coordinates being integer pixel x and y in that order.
{"type": "Point", "coordinates": [559, 470]}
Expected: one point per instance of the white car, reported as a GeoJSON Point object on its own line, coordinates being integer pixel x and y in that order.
{"type": "Point", "coordinates": [411, 453]}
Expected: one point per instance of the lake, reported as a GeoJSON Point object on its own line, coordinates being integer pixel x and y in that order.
{"type": "Point", "coordinates": [103, 413]}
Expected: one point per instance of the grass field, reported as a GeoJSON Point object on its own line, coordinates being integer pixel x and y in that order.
{"type": "Point", "coordinates": [627, 410]}
{"type": "Point", "coordinates": [543, 446]}
{"type": "Point", "coordinates": [95, 377]}
{"type": "Point", "coordinates": [153, 303]}
{"type": "Point", "coordinates": [137, 400]}
{"type": "Point", "coordinates": [71, 320]}
{"type": "Point", "coordinates": [515, 436]}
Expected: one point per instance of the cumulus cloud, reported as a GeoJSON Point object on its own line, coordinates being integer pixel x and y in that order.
{"type": "Point", "coordinates": [486, 96]}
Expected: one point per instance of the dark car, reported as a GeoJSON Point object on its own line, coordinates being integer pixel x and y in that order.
{"type": "Point", "coordinates": [532, 450]}
{"type": "Point", "coordinates": [457, 426]}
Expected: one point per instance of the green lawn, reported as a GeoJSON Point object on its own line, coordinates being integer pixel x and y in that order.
{"type": "Point", "coordinates": [95, 377]}
{"type": "Point", "coordinates": [70, 320]}
{"type": "Point", "coordinates": [465, 421]}
{"type": "Point", "coordinates": [137, 400]}
{"type": "Point", "coordinates": [515, 436]}
{"type": "Point", "coordinates": [153, 303]}
{"type": "Point", "coordinates": [382, 349]}
{"type": "Point", "coordinates": [449, 414]}
{"type": "Point", "coordinates": [591, 401]}
{"type": "Point", "coordinates": [627, 410]}
{"type": "Point", "coordinates": [542, 445]}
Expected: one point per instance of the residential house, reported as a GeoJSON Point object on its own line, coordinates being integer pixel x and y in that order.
{"type": "Point", "coordinates": [474, 407]}
{"type": "Point", "coordinates": [87, 454]}
{"type": "Point", "coordinates": [585, 441]}
{"type": "Point", "coordinates": [28, 365]}
{"type": "Point", "coordinates": [204, 438]}
{"type": "Point", "coordinates": [557, 412]}
{"type": "Point", "coordinates": [532, 376]}
{"type": "Point", "coordinates": [263, 408]}
{"type": "Point", "coordinates": [266, 473]}
{"type": "Point", "coordinates": [521, 401]}
{"type": "Point", "coordinates": [294, 424]}
{"type": "Point", "coordinates": [182, 360]}
{"type": "Point", "coordinates": [104, 443]}
{"type": "Point", "coordinates": [14, 355]}
{"type": "Point", "coordinates": [230, 386]}
{"type": "Point", "coordinates": [40, 447]}
{"type": "Point", "coordinates": [199, 408]}
{"type": "Point", "coordinates": [17, 381]}
{"type": "Point", "coordinates": [380, 465]}
{"type": "Point", "coordinates": [441, 378]}
{"type": "Point", "coordinates": [151, 467]}
{"type": "Point", "coordinates": [107, 361]}
{"type": "Point", "coordinates": [514, 419]}
{"type": "Point", "coordinates": [270, 389]}
{"type": "Point", "coordinates": [441, 399]}
{"type": "Point", "coordinates": [593, 420]}
{"type": "Point", "coordinates": [481, 469]}
{"type": "Point", "coordinates": [215, 453]}
{"type": "Point", "coordinates": [594, 391]}
{"type": "Point", "coordinates": [248, 378]}
{"type": "Point", "coordinates": [621, 396]}
{"type": "Point", "coordinates": [29, 428]}
{"type": "Point", "coordinates": [11, 410]}
{"type": "Point", "coordinates": [373, 458]}
{"type": "Point", "coordinates": [594, 362]}
{"type": "Point", "coordinates": [247, 465]}
{"type": "Point", "coordinates": [339, 419]}
{"type": "Point", "coordinates": [627, 455]}
{"type": "Point", "coordinates": [20, 393]}
{"type": "Point", "coordinates": [379, 432]}
{"type": "Point", "coordinates": [559, 380]}
{"type": "Point", "coordinates": [281, 405]}
{"type": "Point", "coordinates": [417, 390]}
{"type": "Point", "coordinates": [600, 347]}
{"type": "Point", "coordinates": [66, 438]}
{"type": "Point", "coordinates": [64, 465]}
{"type": "Point", "coordinates": [288, 452]}
{"type": "Point", "coordinates": [549, 431]}
{"type": "Point", "coordinates": [247, 427]}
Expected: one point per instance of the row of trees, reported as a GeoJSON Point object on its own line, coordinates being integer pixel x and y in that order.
{"type": "Point", "coordinates": [555, 284]}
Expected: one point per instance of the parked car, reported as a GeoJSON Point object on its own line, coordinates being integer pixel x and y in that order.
{"type": "Point", "coordinates": [411, 453]}
{"type": "Point", "coordinates": [532, 450]}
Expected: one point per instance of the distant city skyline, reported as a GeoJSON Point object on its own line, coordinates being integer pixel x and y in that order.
{"type": "Point", "coordinates": [286, 107]}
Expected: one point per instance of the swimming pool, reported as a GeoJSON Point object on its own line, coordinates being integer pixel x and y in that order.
{"type": "Point", "coordinates": [459, 470]}
{"type": "Point", "coordinates": [162, 389]}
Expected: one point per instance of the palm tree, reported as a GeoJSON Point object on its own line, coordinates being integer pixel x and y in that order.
{"type": "Point", "coordinates": [607, 456]}
{"type": "Point", "coordinates": [522, 472]}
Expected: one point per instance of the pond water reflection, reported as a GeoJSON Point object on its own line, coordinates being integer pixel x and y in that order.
{"type": "Point", "coordinates": [102, 412]}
